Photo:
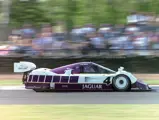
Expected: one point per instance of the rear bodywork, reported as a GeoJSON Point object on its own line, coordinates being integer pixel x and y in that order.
{"type": "Point", "coordinates": [83, 76]}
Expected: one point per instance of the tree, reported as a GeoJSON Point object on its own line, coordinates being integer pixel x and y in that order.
{"type": "Point", "coordinates": [79, 12]}
{"type": "Point", "coordinates": [27, 11]}
{"type": "Point", "coordinates": [143, 6]}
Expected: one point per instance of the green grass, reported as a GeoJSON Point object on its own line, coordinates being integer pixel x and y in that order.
{"type": "Point", "coordinates": [152, 82]}
{"type": "Point", "coordinates": [19, 82]}
{"type": "Point", "coordinates": [10, 82]}
{"type": "Point", "coordinates": [79, 112]}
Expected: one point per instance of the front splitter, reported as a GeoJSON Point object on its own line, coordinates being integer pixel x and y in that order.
{"type": "Point", "coordinates": [140, 85]}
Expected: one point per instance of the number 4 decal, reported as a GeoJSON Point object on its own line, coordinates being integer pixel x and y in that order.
{"type": "Point", "coordinates": [107, 81]}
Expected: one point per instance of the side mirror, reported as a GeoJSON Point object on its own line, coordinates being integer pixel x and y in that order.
{"type": "Point", "coordinates": [121, 69]}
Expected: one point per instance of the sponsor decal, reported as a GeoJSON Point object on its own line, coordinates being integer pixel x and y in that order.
{"type": "Point", "coordinates": [91, 86]}
{"type": "Point", "coordinates": [52, 85]}
{"type": "Point", "coordinates": [107, 81]}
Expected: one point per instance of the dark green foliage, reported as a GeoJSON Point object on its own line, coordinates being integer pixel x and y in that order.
{"type": "Point", "coordinates": [27, 11]}
{"type": "Point", "coordinates": [79, 12]}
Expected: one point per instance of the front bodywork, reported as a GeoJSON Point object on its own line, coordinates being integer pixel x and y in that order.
{"type": "Point", "coordinates": [141, 85]}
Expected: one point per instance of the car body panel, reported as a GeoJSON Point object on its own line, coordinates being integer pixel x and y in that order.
{"type": "Point", "coordinates": [77, 76]}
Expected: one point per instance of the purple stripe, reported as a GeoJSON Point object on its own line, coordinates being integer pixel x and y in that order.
{"type": "Point", "coordinates": [64, 79]}
{"type": "Point", "coordinates": [107, 87]}
{"type": "Point", "coordinates": [35, 78]}
{"type": "Point", "coordinates": [30, 77]}
{"type": "Point", "coordinates": [36, 85]}
{"type": "Point", "coordinates": [68, 86]}
{"type": "Point", "coordinates": [74, 79]}
{"type": "Point", "coordinates": [41, 78]}
{"type": "Point", "coordinates": [48, 78]}
{"type": "Point", "coordinates": [56, 79]}
{"type": "Point", "coordinates": [80, 87]}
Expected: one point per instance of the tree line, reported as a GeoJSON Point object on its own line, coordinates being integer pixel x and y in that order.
{"type": "Point", "coordinates": [77, 12]}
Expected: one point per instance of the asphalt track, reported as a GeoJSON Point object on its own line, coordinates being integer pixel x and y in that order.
{"type": "Point", "coordinates": [22, 96]}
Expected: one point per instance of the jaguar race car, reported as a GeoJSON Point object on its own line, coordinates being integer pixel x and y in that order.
{"type": "Point", "coordinates": [81, 76]}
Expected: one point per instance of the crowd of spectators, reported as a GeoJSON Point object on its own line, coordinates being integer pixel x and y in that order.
{"type": "Point", "coordinates": [106, 37]}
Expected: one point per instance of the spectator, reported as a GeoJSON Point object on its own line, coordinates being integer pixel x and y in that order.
{"type": "Point", "coordinates": [77, 34]}
{"type": "Point", "coordinates": [27, 31]}
{"type": "Point", "coordinates": [87, 46]}
{"type": "Point", "coordinates": [155, 40]}
{"type": "Point", "coordinates": [97, 42]}
{"type": "Point", "coordinates": [133, 18]}
{"type": "Point", "coordinates": [37, 43]}
{"type": "Point", "coordinates": [141, 41]}
{"type": "Point", "coordinates": [88, 29]}
{"type": "Point", "coordinates": [60, 31]}
{"type": "Point", "coordinates": [23, 44]}
{"type": "Point", "coordinates": [104, 28]}
{"type": "Point", "coordinates": [108, 37]}
{"type": "Point", "coordinates": [47, 40]}
{"type": "Point", "coordinates": [132, 28]}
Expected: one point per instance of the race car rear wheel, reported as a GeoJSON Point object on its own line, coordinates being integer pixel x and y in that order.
{"type": "Point", "coordinates": [121, 83]}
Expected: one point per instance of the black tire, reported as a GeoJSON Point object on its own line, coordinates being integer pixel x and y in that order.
{"type": "Point", "coordinates": [121, 83]}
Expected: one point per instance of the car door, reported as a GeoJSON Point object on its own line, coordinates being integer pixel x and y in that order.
{"type": "Point", "coordinates": [91, 74]}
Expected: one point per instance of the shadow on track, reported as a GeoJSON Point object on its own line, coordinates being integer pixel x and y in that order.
{"type": "Point", "coordinates": [69, 91]}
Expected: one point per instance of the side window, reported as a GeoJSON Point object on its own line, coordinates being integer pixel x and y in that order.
{"type": "Point", "coordinates": [76, 69]}
{"type": "Point", "coordinates": [88, 69]}
{"type": "Point", "coordinates": [100, 70]}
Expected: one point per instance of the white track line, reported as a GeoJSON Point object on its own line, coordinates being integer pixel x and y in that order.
{"type": "Point", "coordinates": [23, 87]}
{"type": "Point", "coordinates": [12, 88]}
{"type": "Point", "coordinates": [154, 85]}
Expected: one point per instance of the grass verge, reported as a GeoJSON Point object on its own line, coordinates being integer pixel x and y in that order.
{"type": "Point", "coordinates": [79, 112]}
{"type": "Point", "coordinates": [10, 82]}
{"type": "Point", "coordinates": [19, 82]}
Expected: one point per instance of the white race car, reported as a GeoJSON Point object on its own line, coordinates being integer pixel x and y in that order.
{"type": "Point", "coordinates": [81, 76]}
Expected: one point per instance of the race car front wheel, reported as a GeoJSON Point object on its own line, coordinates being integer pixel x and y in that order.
{"type": "Point", "coordinates": [121, 83]}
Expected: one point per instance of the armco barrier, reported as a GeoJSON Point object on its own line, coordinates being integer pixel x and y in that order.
{"type": "Point", "coordinates": [133, 64]}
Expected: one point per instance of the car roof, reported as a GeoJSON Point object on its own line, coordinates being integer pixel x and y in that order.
{"type": "Point", "coordinates": [61, 68]}
{"type": "Point", "coordinates": [73, 64]}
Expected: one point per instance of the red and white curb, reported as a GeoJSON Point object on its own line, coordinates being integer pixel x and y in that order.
{"type": "Point", "coordinates": [23, 88]}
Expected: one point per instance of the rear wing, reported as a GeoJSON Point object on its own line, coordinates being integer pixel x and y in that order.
{"type": "Point", "coordinates": [23, 66]}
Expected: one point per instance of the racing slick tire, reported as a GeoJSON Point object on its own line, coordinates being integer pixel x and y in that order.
{"type": "Point", "coordinates": [121, 83]}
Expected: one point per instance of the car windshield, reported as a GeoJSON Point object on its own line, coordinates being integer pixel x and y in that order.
{"type": "Point", "coordinates": [102, 69]}
{"type": "Point", "coordinates": [95, 69]}
{"type": "Point", "coordinates": [89, 69]}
